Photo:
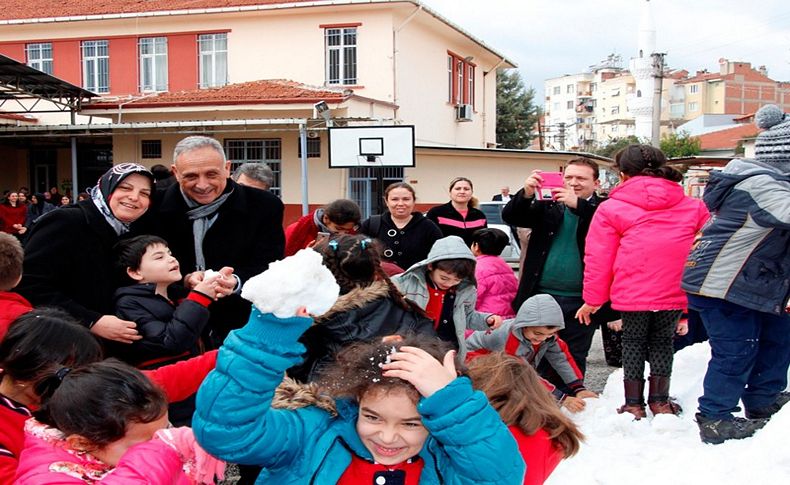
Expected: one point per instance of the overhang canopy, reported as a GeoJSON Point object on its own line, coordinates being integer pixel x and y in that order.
{"type": "Point", "coordinates": [19, 82]}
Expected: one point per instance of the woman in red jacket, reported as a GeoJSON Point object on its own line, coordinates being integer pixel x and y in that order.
{"type": "Point", "coordinates": [13, 214]}
{"type": "Point", "coordinates": [544, 435]}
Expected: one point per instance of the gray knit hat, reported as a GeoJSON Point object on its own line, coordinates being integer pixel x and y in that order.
{"type": "Point", "coordinates": [540, 311]}
{"type": "Point", "coordinates": [773, 144]}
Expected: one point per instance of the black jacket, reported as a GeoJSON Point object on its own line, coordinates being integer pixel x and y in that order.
{"type": "Point", "coordinates": [405, 246]}
{"type": "Point", "coordinates": [452, 223]}
{"type": "Point", "coordinates": [544, 218]}
{"type": "Point", "coordinates": [170, 332]}
{"type": "Point", "coordinates": [358, 316]}
{"type": "Point", "coordinates": [247, 235]}
{"type": "Point", "coordinates": [70, 263]}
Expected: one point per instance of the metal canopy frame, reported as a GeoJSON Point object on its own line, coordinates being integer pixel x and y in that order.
{"type": "Point", "coordinates": [20, 82]}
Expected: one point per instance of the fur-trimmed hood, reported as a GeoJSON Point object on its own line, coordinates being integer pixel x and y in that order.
{"type": "Point", "coordinates": [355, 299]}
{"type": "Point", "coordinates": [291, 394]}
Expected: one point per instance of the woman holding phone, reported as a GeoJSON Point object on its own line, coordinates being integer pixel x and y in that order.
{"type": "Point", "coordinates": [459, 217]}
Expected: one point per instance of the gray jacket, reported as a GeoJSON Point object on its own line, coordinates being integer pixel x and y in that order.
{"type": "Point", "coordinates": [742, 256]}
{"type": "Point", "coordinates": [413, 285]}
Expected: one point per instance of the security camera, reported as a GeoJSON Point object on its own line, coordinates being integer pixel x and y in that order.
{"type": "Point", "coordinates": [321, 107]}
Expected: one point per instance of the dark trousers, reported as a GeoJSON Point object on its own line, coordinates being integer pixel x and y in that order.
{"type": "Point", "coordinates": [647, 337]}
{"type": "Point", "coordinates": [577, 335]}
{"type": "Point", "coordinates": [750, 355]}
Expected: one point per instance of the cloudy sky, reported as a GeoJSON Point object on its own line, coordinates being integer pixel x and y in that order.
{"type": "Point", "coordinates": [551, 38]}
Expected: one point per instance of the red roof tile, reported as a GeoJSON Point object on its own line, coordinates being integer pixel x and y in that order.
{"type": "Point", "coordinates": [271, 91]}
{"type": "Point", "coordinates": [727, 138]}
{"type": "Point", "coordinates": [66, 8]}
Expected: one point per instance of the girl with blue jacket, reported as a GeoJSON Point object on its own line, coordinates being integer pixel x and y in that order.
{"type": "Point", "coordinates": [387, 413]}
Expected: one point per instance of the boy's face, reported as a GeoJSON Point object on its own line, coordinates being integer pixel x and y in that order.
{"type": "Point", "coordinates": [444, 280]}
{"type": "Point", "coordinates": [538, 335]}
{"type": "Point", "coordinates": [157, 266]}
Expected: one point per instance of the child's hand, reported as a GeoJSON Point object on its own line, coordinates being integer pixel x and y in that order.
{"type": "Point", "coordinates": [682, 328]}
{"type": "Point", "coordinates": [208, 286]}
{"type": "Point", "coordinates": [583, 313]}
{"type": "Point", "coordinates": [586, 394]}
{"type": "Point", "coordinates": [573, 404]}
{"type": "Point", "coordinates": [226, 283]}
{"type": "Point", "coordinates": [494, 321]}
{"type": "Point", "coordinates": [113, 328]}
{"type": "Point", "coordinates": [615, 326]}
{"type": "Point", "coordinates": [192, 279]}
{"type": "Point", "coordinates": [421, 370]}
{"type": "Point", "coordinates": [199, 465]}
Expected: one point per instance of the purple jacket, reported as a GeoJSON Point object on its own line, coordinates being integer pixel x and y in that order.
{"type": "Point", "coordinates": [638, 243]}
{"type": "Point", "coordinates": [496, 286]}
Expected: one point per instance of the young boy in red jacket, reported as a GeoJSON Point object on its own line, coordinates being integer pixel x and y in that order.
{"type": "Point", "coordinates": [12, 304]}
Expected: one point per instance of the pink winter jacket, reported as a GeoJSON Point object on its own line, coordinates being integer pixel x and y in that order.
{"type": "Point", "coordinates": [47, 459]}
{"type": "Point", "coordinates": [638, 243]}
{"type": "Point", "coordinates": [496, 286]}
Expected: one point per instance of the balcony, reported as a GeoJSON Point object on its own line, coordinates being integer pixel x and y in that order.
{"type": "Point", "coordinates": [584, 94]}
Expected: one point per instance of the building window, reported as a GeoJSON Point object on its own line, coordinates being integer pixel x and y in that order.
{"type": "Point", "coordinates": [569, 105]}
{"type": "Point", "coordinates": [362, 187]}
{"type": "Point", "coordinates": [39, 56]}
{"type": "Point", "coordinates": [341, 55]}
{"type": "Point", "coordinates": [615, 110]}
{"type": "Point", "coordinates": [693, 106]}
{"type": "Point", "coordinates": [313, 147]}
{"type": "Point", "coordinates": [151, 148]}
{"type": "Point", "coordinates": [677, 110]}
{"type": "Point", "coordinates": [593, 87]}
{"type": "Point", "coordinates": [556, 90]}
{"type": "Point", "coordinates": [461, 80]}
{"type": "Point", "coordinates": [213, 60]}
{"type": "Point", "coordinates": [555, 107]}
{"type": "Point", "coordinates": [268, 151]}
{"type": "Point", "coordinates": [96, 65]}
{"type": "Point", "coordinates": [693, 88]}
{"type": "Point", "coordinates": [569, 89]}
{"type": "Point", "coordinates": [153, 64]}
{"type": "Point", "coordinates": [594, 103]}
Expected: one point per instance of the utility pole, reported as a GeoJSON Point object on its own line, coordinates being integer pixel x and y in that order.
{"type": "Point", "coordinates": [658, 77]}
{"type": "Point", "coordinates": [562, 136]}
{"type": "Point", "coordinates": [540, 134]}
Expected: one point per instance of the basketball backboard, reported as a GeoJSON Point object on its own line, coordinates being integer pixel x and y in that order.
{"type": "Point", "coordinates": [371, 146]}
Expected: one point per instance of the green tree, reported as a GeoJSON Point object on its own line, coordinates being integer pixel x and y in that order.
{"type": "Point", "coordinates": [614, 145]}
{"type": "Point", "coordinates": [680, 145]}
{"type": "Point", "coordinates": [516, 112]}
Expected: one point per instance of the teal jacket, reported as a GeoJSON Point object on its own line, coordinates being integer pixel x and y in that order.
{"type": "Point", "coordinates": [468, 443]}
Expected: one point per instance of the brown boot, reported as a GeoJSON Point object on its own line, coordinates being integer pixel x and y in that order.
{"type": "Point", "coordinates": [658, 397]}
{"type": "Point", "coordinates": [634, 398]}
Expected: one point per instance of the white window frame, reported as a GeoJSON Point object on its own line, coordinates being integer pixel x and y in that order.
{"type": "Point", "coordinates": [693, 106]}
{"type": "Point", "coordinates": [153, 64]}
{"type": "Point", "coordinates": [693, 88]}
{"type": "Point", "coordinates": [557, 90]}
{"type": "Point", "coordinates": [39, 56]}
{"type": "Point", "coordinates": [96, 65]}
{"type": "Point", "coordinates": [341, 58]}
{"type": "Point", "coordinates": [569, 89]}
{"type": "Point", "coordinates": [210, 51]}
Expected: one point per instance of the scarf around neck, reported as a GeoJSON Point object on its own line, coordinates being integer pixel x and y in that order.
{"type": "Point", "coordinates": [202, 217]}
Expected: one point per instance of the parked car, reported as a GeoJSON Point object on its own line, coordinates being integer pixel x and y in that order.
{"type": "Point", "coordinates": [493, 212]}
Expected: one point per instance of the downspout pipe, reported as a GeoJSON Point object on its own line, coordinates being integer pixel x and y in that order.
{"type": "Point", "coordinates": [394, 57]}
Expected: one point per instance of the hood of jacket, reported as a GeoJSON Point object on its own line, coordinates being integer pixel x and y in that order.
{"type": "Point", "coordinates": [737, 170]}
{"type": "Point", "coordinates": [649, 193]}
{"type": "Point", "coordinates": [538, 311]}
{"type": "Point", "coordinates": [355, 299]}
{"type": "Point", "coordinates": [450, 247]}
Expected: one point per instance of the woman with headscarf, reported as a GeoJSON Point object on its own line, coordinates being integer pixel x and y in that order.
{"type": "Point", "coordinates": [69, 258]}
{"type": "Point", "coordinates": [37, 207]}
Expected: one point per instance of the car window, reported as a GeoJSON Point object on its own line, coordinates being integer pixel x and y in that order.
{"type": "Point", "coordinates": [493, 213]}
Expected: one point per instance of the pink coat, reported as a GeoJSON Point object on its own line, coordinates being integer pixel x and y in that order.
{"type": "Point", "coordinates": [496, 286]}
{"type": "Point", "coordinates": [638, 243]}
{"type": "Point", "coordinates": [48, 459]}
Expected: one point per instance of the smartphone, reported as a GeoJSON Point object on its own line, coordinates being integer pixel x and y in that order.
{"type": "Point", "coordinates": [551, 181]}
{"type": "Point", "coordinates": [321, 237]}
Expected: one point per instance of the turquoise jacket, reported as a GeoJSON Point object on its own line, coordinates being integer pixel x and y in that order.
{"type": "Point", "coordinates": [468, 443]}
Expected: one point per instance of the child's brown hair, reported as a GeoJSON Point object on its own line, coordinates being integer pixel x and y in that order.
{"type": "Point", "coordinates": [515, 390]}
{"type": "Point", "coordinates": [11, 256]}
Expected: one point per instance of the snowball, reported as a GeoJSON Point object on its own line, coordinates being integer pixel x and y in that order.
{"type": "Point", "coordinates": [768, 116]}
{"type": "Point", "coordinates": [298, 280]}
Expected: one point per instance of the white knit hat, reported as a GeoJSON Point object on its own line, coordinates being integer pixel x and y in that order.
{"type": "Point", "coordinates": [773, 144]}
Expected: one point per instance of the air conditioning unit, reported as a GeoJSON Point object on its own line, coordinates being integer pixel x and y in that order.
{"type": "Point", "coordinates": [463, 112]}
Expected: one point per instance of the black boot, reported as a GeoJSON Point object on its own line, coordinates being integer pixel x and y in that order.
{"type": "Point", "coordinates": [717, 431]}
{"type": "Point", "coordinates": [768, 411]}
{"type": "Point", "coordinates": [658, 397]}
{"type": "Point", "coordinates": [634, 398]}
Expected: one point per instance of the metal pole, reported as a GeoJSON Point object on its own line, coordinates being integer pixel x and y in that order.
{"type": "Point", "coordinates": [379, 189]}
{"type": "Point", "coordinates": [562, 136]}
{"type": "Point", "coordinates": [74, 187]}
{"type": "Point", "coordinates": [658, 76]}
{"type": "Point", "coordinates": [303, 145]}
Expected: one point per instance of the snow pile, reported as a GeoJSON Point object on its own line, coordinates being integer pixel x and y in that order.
{"type": "Point", "coordinates": [667, 449]}
{"type": "Point", "coordinates": [298, 280]}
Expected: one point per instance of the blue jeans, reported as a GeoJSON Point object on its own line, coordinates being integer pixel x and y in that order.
{"type": "Point", "coordinates": [750, 355]}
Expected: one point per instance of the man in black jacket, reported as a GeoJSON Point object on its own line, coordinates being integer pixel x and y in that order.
{"type": "Point", "coordinates": [210, 222]}
{"type": "Point", "coordinates": [554, 263]}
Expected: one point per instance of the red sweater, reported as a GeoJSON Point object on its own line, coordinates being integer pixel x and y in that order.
{"type": "Point", "coordinates": [539, 453]}
{"type": "Point", "coordinates": [12, 215]}
{"type": "Point", "coordinates": [301, 233]}
{"type": "Point", "coordinates": [12, 305]}
{"type": "Point", "coordinates": [12, 436]}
